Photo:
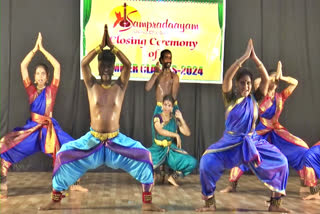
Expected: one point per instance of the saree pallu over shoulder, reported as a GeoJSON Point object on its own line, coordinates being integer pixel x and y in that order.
{"type": "Point", "coordinates": [241, 116]}
{"type": "Point", "coordinates": [42, 103]}
{"type": "Point", "coordinates": [240, 125]}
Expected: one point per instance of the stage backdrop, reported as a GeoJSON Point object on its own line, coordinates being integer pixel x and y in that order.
{"type": "Point", "coordinates": [192, 30]}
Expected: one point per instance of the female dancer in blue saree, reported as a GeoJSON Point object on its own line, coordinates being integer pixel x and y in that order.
{"type": "Point", "coordinates": [166, 145]}
{"type": "Point", "coordinates": [312, 171]}
{"type": "Point", "coordinates": [240, 143]}
{"type": "Point", "coordinates": [41, 132]}
{"type": "Point", "coordinates": [271, 130]}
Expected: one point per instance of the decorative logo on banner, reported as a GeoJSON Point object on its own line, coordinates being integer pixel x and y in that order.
{"type": "Point", "coordinates": [192, 31]}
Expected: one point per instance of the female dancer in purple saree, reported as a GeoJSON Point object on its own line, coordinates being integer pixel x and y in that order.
{"type": "Point", "coordinates": [41, 132]}
{"type": "Point", "coordinates": [240, 143]}
{"type": "Point", "coordinates": [271, 130]}
{"type": "Point", "coordinates": [312, 171]}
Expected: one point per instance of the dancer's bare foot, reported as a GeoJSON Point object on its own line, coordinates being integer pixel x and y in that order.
{"type": "Point", "coordinates": [304, 189]}
{"type": "Point", "coordinates": [151, 207]}
{"type": "Point", "coordinates": [273, 208]}
{"type": "Point", "coordinates": [3, 187]}
{"type": "Point", "coordinates": [312, 197]}
{"type": "Point", "coordinates": [211, 208]}
{"type": "Point", "coordinates": [4, 191]}
{"type": "Point", "coordinates": [172, 181]}
{"type": "Point", "coordinates": [78, 188]}
{"type": "Point", "coordinates": [3, 195]}
{"type": "Point", "coordinates": [228, 189]}
{"type": "Point", "coordinates": [52, 205]}
{"type": "Point", "coordinates": [154, 179]}
{"type": "Point", "coordinates": [162, 178]}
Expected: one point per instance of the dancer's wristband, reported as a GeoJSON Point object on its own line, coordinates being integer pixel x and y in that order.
{"type": "Point", "coordinates": [98, 49]}
{"type": "Point", "coordinates": [114, 50]}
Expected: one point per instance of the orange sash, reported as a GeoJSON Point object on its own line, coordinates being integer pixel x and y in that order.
{"type": "Point", "coordinates": [52, 143]}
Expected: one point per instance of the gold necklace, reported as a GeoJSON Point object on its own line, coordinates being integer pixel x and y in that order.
{"type": "Point", "coordinates": [40, 89]}
{"type": "Point", "coordinates": [106, 86]}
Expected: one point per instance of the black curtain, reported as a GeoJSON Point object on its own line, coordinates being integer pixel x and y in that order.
{"type": "Point", "coordinates": [286, 30]}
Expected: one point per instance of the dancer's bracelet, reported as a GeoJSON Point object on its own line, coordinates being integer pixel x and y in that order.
{"type": "Point", "coordinates": [114, 50]}
{"type": "Point", "coordinates": [98, 49]}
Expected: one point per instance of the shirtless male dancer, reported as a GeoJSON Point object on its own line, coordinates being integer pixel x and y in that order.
{"type": "Point", "coordinates": [104, 144]}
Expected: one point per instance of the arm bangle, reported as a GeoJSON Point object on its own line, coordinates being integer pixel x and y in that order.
{"type": "Point", "coordinates": [114, 50]}
{"type": "Point", "coordinates": [98, 49]}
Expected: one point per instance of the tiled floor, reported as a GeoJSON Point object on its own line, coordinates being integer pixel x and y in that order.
{"type": "Point", "coordinates": [119, 193]}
